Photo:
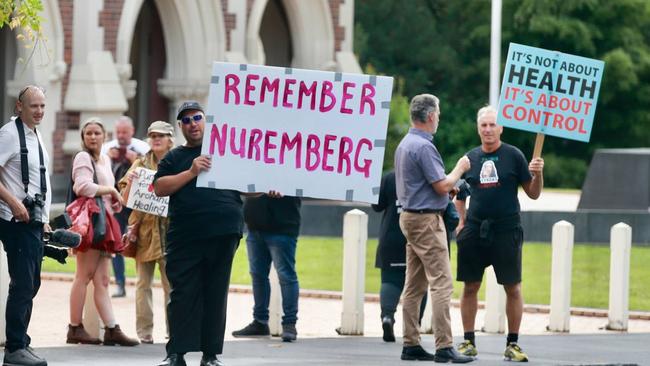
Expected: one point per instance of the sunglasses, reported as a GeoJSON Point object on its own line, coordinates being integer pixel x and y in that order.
{"type": "Point", "coordinates": [196, 118]}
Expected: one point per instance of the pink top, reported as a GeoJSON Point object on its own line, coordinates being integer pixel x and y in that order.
{"type": "Point", "coordinates": [82, 175]}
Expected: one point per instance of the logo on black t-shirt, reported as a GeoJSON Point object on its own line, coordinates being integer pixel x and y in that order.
{"type": "Point", "coordinates": [488, 174]}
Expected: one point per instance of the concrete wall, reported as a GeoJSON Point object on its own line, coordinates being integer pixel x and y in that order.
{"type": "Point", "coordinates": [326, 219]}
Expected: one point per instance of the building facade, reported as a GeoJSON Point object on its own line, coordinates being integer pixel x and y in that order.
{"type": "Point", "coordinates": [141, 58]}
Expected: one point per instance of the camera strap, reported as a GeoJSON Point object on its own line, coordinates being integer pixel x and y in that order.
{"type": "Point", "coordinates": [24, 162]}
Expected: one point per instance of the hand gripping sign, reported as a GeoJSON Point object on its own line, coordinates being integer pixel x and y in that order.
{"type": "Point", "coordinates": [550, 93]}
{"type": "Point", "coordinates": [142, 196]}
{"type": "Point", "coordinates": [304, 133]}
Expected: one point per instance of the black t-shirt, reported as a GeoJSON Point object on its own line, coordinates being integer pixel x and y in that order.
{"type": "Point", "coordinates": [392, 242]}
{"type": "Point", "coordinates": [494, 179]}
{"type": "Point", "coordinates": [273, 215]}
{"type": "Point", "coordinates": [198, 213]}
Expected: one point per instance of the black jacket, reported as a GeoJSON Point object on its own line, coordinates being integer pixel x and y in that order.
{"type": "Point", "coordinates": [273, 215]}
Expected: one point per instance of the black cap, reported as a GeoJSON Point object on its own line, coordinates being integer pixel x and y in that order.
{"type": "Point", "coordinates": [190, 105]}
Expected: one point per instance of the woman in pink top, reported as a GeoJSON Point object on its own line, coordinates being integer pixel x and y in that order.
{"type": "Point", "coordinates": [94, 264]}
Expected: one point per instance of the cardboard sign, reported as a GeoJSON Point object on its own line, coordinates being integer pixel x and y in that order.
{"type": "Point", "coordinates": [549, 92]}
{"type": "Point", "coordinates": [142, 197]}
{"type": "Point", "coordinates": [301, 132]}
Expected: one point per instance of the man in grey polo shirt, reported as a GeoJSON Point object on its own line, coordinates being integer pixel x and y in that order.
{"type": "Point", "coordinates": [423, 190]}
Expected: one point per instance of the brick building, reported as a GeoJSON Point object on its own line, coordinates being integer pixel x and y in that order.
{"type": "Point", "coordinates": [143, 57]}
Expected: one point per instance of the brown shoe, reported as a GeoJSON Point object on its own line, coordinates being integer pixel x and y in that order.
{"type": "Point", "coordinates": [77, 334]}
{"type": "Point", "coordinates": [113, 336]}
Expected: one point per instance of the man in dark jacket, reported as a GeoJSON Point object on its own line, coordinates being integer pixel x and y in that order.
{"type": "Point", "coordinates": [391, 256]}
{"type": "Point", "coordinates": [273, 227]}
{"type": "Point", "coordinates": [391, 252]}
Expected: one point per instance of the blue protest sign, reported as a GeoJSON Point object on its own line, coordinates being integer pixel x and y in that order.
{"type": "Point", "coordinates": [549, 92]}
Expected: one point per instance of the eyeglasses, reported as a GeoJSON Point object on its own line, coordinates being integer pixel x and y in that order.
{"type": "Point", "coordinates": [196, 118]}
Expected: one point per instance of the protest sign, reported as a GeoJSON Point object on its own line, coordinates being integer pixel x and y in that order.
{"type": "Point", "coordinates": [301, 132]}
{"type": "Point", "coordinates": [142, 196]}
{"type": "Point", "coordinates": [549, 92]}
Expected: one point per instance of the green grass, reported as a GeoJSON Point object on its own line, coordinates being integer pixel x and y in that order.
{"type": "Point", "coordinates": [319, 265]}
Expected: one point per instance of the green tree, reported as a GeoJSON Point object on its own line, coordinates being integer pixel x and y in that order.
{"type": "Point", "coordinates": [442, 47]}
{"type": "Point", "coordinates": [22, 17]}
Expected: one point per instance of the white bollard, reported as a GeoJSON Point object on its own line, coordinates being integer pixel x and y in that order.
{"type": "Point", "coordinates": [426, 326]}
{"type": "Point", "coordinates": [4, 292]}
{"type": "Point", "coordinates": [562, 242]}
{"type": "Point", "coordinates": [355, 236]}
{"type": "Point", "coordinates": [91, 320]}
{"type": "Point", "coordinates": [495, 304]}
{"type": "Point", "coordinates": [619, 276]}
{"type": "Point", "coordinates": [275, 304]}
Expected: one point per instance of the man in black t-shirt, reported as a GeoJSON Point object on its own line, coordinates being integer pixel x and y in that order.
{"type": "Point", "coordinates": [205, 227]}
{"type": "Point", "coordinates": [490, 233]}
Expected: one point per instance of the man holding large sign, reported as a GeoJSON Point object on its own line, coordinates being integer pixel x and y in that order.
{"type": "Point", "coordinates": [545, 92]}
{"type": "Point", "coordinates": [204, 231]}
{"type": "Point", "coordinates": [303, 132]}
{"type": "Point", "coordinates": [491, 233]}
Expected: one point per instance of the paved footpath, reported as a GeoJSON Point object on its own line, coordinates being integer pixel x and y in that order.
{"type": "Point", "coordinates": [318, 343]}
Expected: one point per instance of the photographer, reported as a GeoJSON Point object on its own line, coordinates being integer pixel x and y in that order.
{"type": "Point", "coordinates": [123, 151]}
{"type": "Point", "coordinates": [24, 212]}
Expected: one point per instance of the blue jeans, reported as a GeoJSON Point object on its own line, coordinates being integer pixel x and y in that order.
{"type": "Point", "coordinates": [118, 269]}
{"type": "Point", "coordinates": [264, 248]}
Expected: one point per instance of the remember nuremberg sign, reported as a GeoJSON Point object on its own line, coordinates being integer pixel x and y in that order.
{"type": "Point", "coordinates": [549, 92]}
{"type": "Point", "coordinates": [301, 132]}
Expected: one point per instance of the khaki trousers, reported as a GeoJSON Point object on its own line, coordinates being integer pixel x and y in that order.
{"type": "Point", "coordinates": [144, 296]}
{"type": "Point", "coordinates": [427, 265]}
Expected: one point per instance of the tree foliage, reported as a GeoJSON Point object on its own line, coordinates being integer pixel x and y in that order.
{"type": "Point", "coordinates": [443, 47]}
{"type": "Point", "coordinates": [22, 17]}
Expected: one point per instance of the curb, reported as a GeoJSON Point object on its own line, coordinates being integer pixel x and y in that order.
{"type": "Point", "coordinates": [374, 298]}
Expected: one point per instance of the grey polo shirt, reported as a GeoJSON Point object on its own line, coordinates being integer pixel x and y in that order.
{"type": "Point", "coordinates": [417, 165]}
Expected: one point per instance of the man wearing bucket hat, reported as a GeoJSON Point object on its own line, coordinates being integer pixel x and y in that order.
{"type": "Point", "coordinates": [147, 232]}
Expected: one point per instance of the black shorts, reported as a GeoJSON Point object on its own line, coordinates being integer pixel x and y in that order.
{"type": "Point", "coordinates": [503, 253]}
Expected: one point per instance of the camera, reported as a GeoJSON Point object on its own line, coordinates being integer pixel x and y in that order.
{"type": "Point", "coordinates": [56, 242]}
{"type": "Point", "coordinates": [34, 206]}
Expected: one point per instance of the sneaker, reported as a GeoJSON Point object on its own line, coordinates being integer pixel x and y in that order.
{"type": "Point", "coordinates": [148, 339]}
{"type": "Point", "coordinates": [415, 353]}
{"type": "Point", "coordinates": [514, 353]}
{"type": "Point", "coordinates": [289, 332]}
{"type": "Point", "coordinates": [33, 352]}
{"type": "Point", "coordinates": [467, 348]}
{"type": "Point", "coordinates": [22, 357]}
{"type": "Point", "coordinates": [387, 326]}
{"type": "Point", "coordinates": [119, 292]}
{"type": "Point", "coordinates": [254, 329]}
{"type": "Point", "coordinates": [449, 354]}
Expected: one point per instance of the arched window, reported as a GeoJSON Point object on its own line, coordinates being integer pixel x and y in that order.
{"type": "Point", "coordinates": [148, 60]}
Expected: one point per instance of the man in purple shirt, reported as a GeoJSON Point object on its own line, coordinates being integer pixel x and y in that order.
{"type": "Point", "coordinates": [423, 189]}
